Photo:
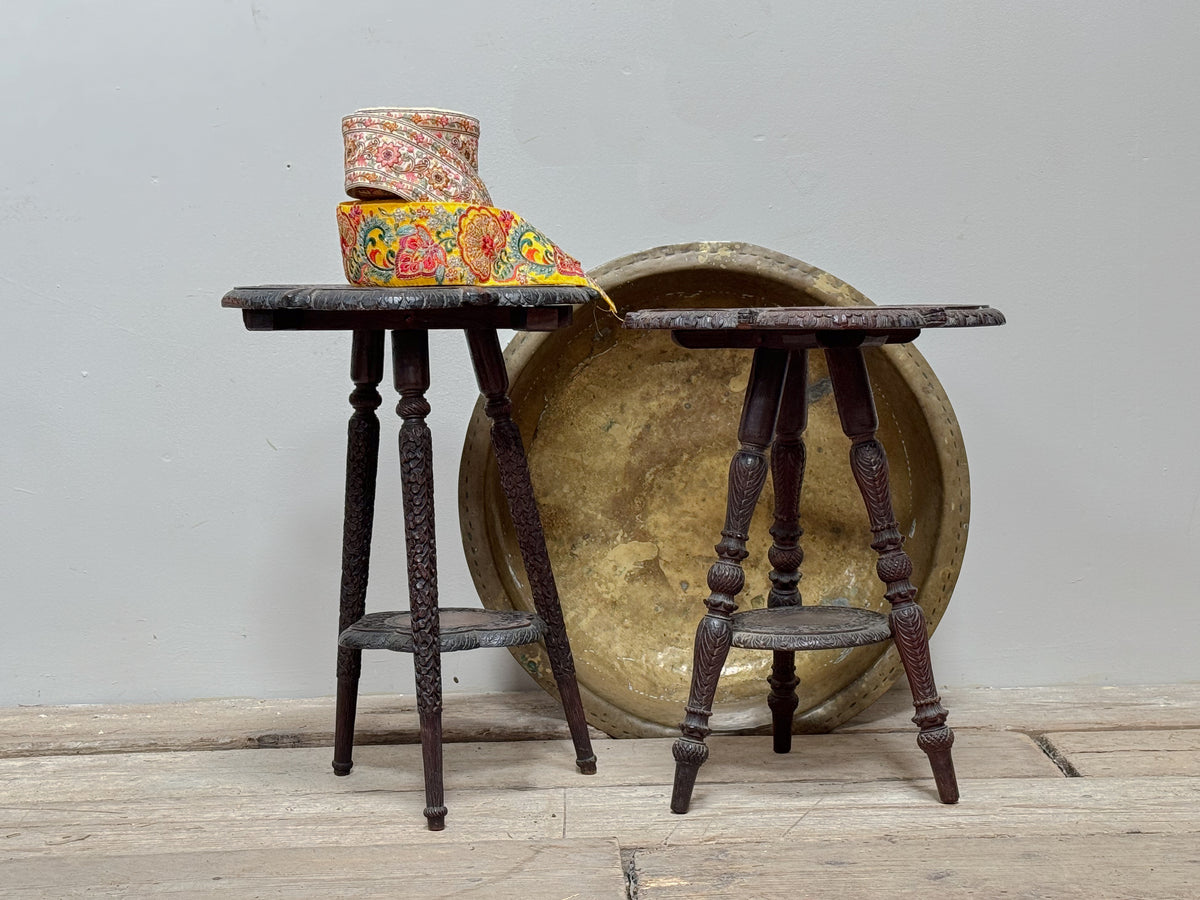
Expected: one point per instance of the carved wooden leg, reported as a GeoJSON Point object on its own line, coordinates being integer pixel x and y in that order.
{"type": "Point", "coordinates": [362, 463]}
{"type": "Point", "coordinates": [747, 475]}
{"type": "Point", "coordinates": [518, 490]}
{"type": "Point", "coordinates": [410, 362]}
{"type": "Point", "coordinates": [787, 475]}
{"type": "Point", "coordinates": [852, 389]}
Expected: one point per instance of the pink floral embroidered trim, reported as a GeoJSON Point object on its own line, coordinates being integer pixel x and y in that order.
{"type": "Point", "coordinates": [424, 155]}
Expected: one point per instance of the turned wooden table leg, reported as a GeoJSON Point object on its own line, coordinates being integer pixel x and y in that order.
{"type": "Point", "coordinates": [852, 390]}
{"type": "Point", "coordinates": [362, 463]}
{"type": "Point", "coordinates": [787, 476]}
{"type": "Point", "coordinates": [410, 362]}
{"type": "Point", "coordinates": [531, 539]}
{"type": "Point", "coordinates": [747, 475]}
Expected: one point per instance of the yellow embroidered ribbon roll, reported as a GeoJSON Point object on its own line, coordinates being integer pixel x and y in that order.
{"type": "Point", "coordinates": [413, 154]}
{"type": "Point", "coordinates": [398, 244]}
{"type": "Point", "coordinates": [448, 232]}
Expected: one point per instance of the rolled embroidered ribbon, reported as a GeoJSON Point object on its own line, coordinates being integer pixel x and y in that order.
{"type": "Point", "coordinates": [397, 244]}
{"type": "Point", "coordinates": [428, 155]}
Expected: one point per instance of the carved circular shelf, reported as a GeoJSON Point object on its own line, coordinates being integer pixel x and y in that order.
{"type": "Point", "coordinates": [809, 628]}
{"type": "Point", "coordinates": [629, 439]}
{"type": "Point", "coordinates": [460, 629]}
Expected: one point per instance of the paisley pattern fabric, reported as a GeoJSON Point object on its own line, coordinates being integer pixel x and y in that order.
{"type": "Point", "coordinates": [398, 244]}
{"type": "Point", "coordinates": [413, 154]}
{"type": "Point", "coordinates": [446, 232]}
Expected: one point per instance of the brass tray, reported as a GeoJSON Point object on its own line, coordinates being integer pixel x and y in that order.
{"type": "Point", "coordinates": [629, 439]}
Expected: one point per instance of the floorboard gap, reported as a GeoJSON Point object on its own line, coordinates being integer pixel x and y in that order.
{"type": "Point", "coordinates": [627, 863]}
{"type": "Point", "coordinates": [1047, 746]}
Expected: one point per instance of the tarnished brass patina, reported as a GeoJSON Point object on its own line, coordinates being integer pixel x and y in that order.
{"type": "Point", "coordinates": [629, 438]}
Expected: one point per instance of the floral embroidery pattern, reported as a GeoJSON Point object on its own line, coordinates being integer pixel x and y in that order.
{"type": "Point", "coordinates": [569, 265]}
{"type": "Point", "coordinates": [348, 226]}
{"type": "Point", "coordinates": [419, 254]}
{"type": "Point", "coordinates": [481, 241]}
{"type": "Point", "coordinates": [387, 155]}
{"type": "Point", "coordinates": [534, 248]}
{"type": "Point", "coordinates": [394, 244]}
{"type": "Point", "coordinates": [458, 130]}
{"type": "Point", "coordinates": [413, 154]}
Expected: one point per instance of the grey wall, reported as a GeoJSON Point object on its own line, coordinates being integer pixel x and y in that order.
{"type": "Point", "coordinates": [169, 491]}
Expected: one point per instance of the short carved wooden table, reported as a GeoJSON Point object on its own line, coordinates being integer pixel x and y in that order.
{"type": "Point", "coordinates": [425, 630]}
{"type": "Point", "coordinates": [774, 415]}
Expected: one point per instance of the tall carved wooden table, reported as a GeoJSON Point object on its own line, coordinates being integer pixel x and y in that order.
{"type": "Point", "coordinates": [774, 415]}
{"type": "Point", "coordinates": [425, 630]}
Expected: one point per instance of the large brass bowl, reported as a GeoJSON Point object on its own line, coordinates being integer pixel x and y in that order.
{"type": "Point", "coordinates": [629, 439]}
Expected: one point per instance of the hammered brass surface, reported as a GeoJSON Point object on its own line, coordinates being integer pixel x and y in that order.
{"type": "Point", "coordinates": [629, 439]}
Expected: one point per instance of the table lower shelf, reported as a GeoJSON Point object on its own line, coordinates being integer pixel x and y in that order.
{"type": "Point", "coordinates": [460, 629]}
{"type": "Point", "coordinates": [809, 628]}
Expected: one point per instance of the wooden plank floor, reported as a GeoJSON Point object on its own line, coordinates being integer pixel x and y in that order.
{"type": "Point", "coordinates": [1067, 792]}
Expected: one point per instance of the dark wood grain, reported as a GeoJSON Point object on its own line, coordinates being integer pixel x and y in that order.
{"type": "Point", "coordinates": [856, 408]}
{"type": "Point", "coordinates": [458, 629]}
{"type": "Point", "coordinates": [786, 556]}
{"type": "Point", "coordinates": [518, 492]}
{"type": "Point", "coordinates": [362, 463]}
{"type": "Point", "coordinates": [410, 364]}
{"type": "Point", "coordinates": [542, 318]}
{"type": "Point", "coordinates": [308, 307]}
{"type": "Point", "coordinates": [745, 339]}
{"type": "Point", "coordinates": [747, 475]}
{"type": "Point", "coordinates": [350, 298]}
{"type": "Point", "coordinates": [791, 628]}
{"type": "Point", "coordinates": [817, 318]}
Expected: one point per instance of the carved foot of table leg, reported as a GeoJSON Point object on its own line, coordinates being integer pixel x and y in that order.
{"type": "Point", "coordinates": [431, 757]}
{"type": "Point", "coordinates": [431, 753]}
{"type": "Point", "coordinates": [713, 639]}
{"type": "Point", "coordinates": [937, 744]}
{"type": "Point", "coordinates": [690, 754]}
{"type": "Point", "coordinates": [910, 635]}
{"type": "Point", "coordinates": [343, 727]}
{"type": "Point", "coordinates": [586, 766]}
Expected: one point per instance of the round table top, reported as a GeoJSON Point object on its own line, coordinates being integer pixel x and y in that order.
{"type": "Point", "coordinates": [352, 298]}
{"type": "Point", "coordinates": [874, 319]}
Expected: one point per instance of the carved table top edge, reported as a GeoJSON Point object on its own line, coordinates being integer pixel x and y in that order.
{"type": "Point", "coordinates": [352, 298]}
{"type": "Point", "coordinates": [817, 318]}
